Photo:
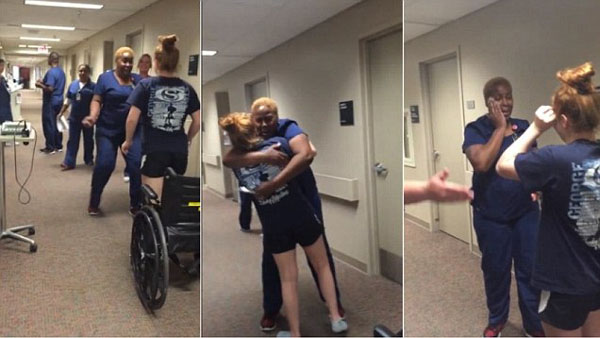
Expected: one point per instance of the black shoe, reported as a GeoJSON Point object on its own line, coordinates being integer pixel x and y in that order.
{"type": "Point", "coordinates": [45, 150]}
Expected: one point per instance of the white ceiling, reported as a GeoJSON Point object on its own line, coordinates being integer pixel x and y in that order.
{"type": "Point", "coordinates": [240, 30]}
{"type": "Point", "coordinates": [423, 16]}
{"type": "Point", "coordinates": [13, 13]}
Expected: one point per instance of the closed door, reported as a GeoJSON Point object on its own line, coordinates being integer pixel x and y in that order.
{"type": "Point", "coordinates": [384, 57]}
{"type": "Point", "coordinates": [446, 122]}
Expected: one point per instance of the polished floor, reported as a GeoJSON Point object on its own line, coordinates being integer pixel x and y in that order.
{"type": "Point", "coordinates": [232, 290]}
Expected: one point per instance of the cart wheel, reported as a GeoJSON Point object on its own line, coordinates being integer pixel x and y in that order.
{"type": "Point", "coordinates": [31, 231]}
{"type": "Point", "coordinates": [33, 248]}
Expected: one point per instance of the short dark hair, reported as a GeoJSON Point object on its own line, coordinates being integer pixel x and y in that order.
{"type": "Point", "coordinates": [86, 66]}
{"type": "Point", "coordinates": [1, 60]}
{"type": "Point", "coordinates": [490, 87]}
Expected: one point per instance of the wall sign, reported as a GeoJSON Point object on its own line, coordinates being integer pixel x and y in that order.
{"type": "Point", "coordinates": [414, 114]}
{"type": "Point", "coordinates": [193, 64]}
{"type": "Point", "coordinates": [346, 113]}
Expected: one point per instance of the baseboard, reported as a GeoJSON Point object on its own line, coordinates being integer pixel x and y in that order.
{"type": "Point", "coordinates": [417, 221]}
{"type": "Point", "coordinates": [349, 260]}
{"type": "Point", "coordinates": [391, 265]}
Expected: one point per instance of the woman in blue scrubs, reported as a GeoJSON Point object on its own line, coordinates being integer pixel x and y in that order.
{"type": "Point", "coordinates": [5, 111]}
{"type": "Point", "coordinates": [505, 216]}
{"type": "Point", "coordinates": [108, 112]}
{"type": "Point", "coordinates": [79, 97]}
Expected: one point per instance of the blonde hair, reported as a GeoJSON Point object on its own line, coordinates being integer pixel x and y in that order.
{"type": "Point", "coordinates": [241, 130]}
{"type": "Point", "coordinates": [166, 54]}
{"type": "Point", "coordinates": [267, 102]}
{"type": "Point", "coordinates": [576, 97]}
{"type": "Point", "coordinates": [122, 50]}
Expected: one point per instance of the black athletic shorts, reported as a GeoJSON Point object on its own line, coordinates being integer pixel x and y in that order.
{"type": "Point", "coordinates": [304, 233]}
{"type": "Point", "coordinates": [567, 312]}
{"type": "Point", "coordinates": [155, 163]}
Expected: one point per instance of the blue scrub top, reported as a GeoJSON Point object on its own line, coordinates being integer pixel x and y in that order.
{"type": "Point", "coordinates": [289, 129]}
{"type": "Point", "coordinates": [497, 198]}
{"type": "Point", "coordinates": [55, 77]}
{"type": "Point", "coordinates": [568, 242]}
{"type": "Point", "coordinates": [5, 110]}
{"type": "Point", "coordinates": [80, 99]}
{"type": "Point", "coordinates": [115, 108]}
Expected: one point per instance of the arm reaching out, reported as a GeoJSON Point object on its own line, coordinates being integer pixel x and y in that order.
{"type": "Point", "coordinates": [436, 189]}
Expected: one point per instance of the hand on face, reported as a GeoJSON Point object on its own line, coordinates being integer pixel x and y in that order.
{"type": "Point", "coordinates": [495, 113]}
{"type": "Point", "coordinates": [545, 118]}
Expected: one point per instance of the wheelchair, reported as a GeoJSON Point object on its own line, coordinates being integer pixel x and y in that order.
{"type": "Point", "coordinates": [160, 230]}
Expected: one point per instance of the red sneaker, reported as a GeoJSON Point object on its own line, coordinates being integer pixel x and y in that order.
{"type": "Point", "coordinates": [267, 323]}
{"type": "Point", "coordinates": [493, 330]}
{"type": "Point", "coordinates": [94, 211]}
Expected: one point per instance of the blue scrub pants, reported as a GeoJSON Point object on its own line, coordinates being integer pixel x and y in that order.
{"type": "Point", "coordinates": [272, 299]}
{"type": "Point", "coordinates": [501, 244]}
{"type": "Point", "coordinates": [245, 210]}
{"type": "Point", "coordinates": [51, 134]}
{"type": "Point", "coordinates": [106, 158]}
{"type": "Point", "coordinates": [75, 131]}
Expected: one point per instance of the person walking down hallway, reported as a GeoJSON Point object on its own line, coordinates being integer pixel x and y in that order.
{"type": "Point", "coordinates": [79, 97]}
{"type": "Point", "coordinates": [505, 216]}
{"type": "Point", "coordinates": [5, 110]}
{"type": "Point", "coordinates": [108, 111]}
{"type": "Point", "coordinates": [53, 87]}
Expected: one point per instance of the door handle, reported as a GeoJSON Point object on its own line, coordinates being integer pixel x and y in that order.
{"type": "Point", "coordinates": [436, 154]}
{"type": "Point", "coordinates": [380, 169]}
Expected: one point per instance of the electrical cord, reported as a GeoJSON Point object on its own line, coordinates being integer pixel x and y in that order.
{"type": "Point", "coordinates": [22, 186]}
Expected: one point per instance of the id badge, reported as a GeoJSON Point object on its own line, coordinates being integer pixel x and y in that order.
{"type": "Point", "coordinates": [78, 97]}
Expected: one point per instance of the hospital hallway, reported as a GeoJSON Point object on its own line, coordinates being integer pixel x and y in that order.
{"type": "Point", "coordinates": [447, 297]}
{"type": "Point", "coordinates": [79, 282]}
{"type": "Point", "coordinates": [232, 290]}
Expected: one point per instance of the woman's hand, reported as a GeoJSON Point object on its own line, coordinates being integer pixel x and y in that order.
{"type": "Point", "coordinates": [125, 147]}
{"type": "Point", "coordinates": [545, 118]}
{"type": "Point", "coordinates": [265, 189]}
{"type": "Point", "coordinates": [88, 121]}
{"type": "Point", "coordinates": [495, 114]}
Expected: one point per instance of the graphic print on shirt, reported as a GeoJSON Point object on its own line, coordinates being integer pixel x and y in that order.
{"type": "Point", "coordinates": [167, 107]}
{"type": "Point", "coordinates": [584, 204]}
{"type": "Point", "coordinates": [252, 177]}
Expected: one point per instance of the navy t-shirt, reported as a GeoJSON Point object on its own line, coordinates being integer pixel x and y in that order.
{"type": "Point", "coordinates": [54, 77]}
{"type": "Point", "coordinates": [568, 250]}
{"type": "Point", "coordinates": [164, 104]}
{"type": "Point", "coordinates": [5, 109]}
{"type": "Point", "coordinates": [80, 98]}
{"type": "Point", "coordinates": [497, 198]}
{"type": "Point", "coordinates": [115, 108]}
{"type": "Point", "coordinates": [289, 129]}
{"type": "Point", "coordinates": [286, 207]}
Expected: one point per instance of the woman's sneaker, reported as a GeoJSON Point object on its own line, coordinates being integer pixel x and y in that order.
{"type": "Point", "coordinates": [267, 322]}
{"type": "Point", "coordinates": [339, 325]}
{"type": "Point", "coordinates": [284, 334]}
{"type": "Point", "coordinates": [493, 330]}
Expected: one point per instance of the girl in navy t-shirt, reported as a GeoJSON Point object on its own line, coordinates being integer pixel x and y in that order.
{"type": "Point", "coordinates": [162, 104]}
{"type": "Point", "coordinates": [288, 218]}
{"type": "Point", "coordinates": [567, 262]}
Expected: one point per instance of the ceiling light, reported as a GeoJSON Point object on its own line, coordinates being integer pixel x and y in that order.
{"type": "Point", "coordinates": [209, 52]}
{"type": "Point", "coordinates": [22, 46]}
{"type": "Point", "coordinates": [36, 46]}
{"type": "Point", "coordinates": [62, 4]}
{"type": "Point", "coordinates": [38, 39]}
{"type": "Point", "coordinates": [61, 28]}
{"type": "Point", "coordinates": [30, 52]}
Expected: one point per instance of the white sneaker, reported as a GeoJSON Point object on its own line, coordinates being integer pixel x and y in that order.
{"type": "Point", "coordinates": [339, 325]}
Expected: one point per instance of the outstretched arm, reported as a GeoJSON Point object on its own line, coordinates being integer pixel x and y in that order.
{"type": "Point", "coordinates": [436, 189]}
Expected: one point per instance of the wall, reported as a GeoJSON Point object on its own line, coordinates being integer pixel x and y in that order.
{"type": "Point", "coordinates": [308, 75]}
{"type": "Point", "coordinates": [181, 17]}
{"type": "Point", "coordinates": [526, 41]}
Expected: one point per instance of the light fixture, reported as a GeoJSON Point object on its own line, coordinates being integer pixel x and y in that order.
{"type": "Point", "coordinates": [62, 4]}
{"type": "Point", "coordinates": [36, 46]}
{"type": "Point", "coordinates": [22, 46]}
{"type": "Point", "coordinates": [31, 52]}
{"type": "Point", "coordinates": [209, 52]}
{"type": "Point", "coordinates": [38, 39]}
{"type": "Point", "coordinates": [60, 28]}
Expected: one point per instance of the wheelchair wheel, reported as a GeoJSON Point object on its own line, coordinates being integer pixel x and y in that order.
{"type": "Point", "coordinates": [149, 258]}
